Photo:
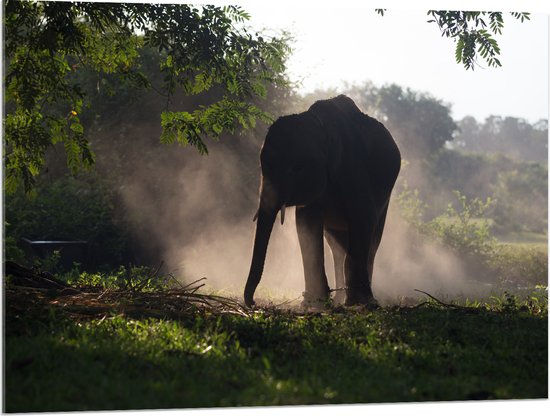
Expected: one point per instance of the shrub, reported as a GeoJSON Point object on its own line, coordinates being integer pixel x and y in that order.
{"type": "Point", "coordinates": [131, 278]}
{"type": "Point", "coordinates": [68, 208]}
{"type": "Point", "coordinates": [465, 230]}
{"type": "Point", "coordinates": [468, 232]}
{"type": "Point", "coordinates": [512, 189]}
{"type": "Point", "coordinates": [520, 264]}
{"type": "Point", "coordinates": [11, 250]}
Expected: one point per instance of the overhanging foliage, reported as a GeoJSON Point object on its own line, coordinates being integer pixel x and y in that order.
{"type": "Point", "coordinates": [473, 33]}
{"type": "Point", "coordinates": [200, 48]}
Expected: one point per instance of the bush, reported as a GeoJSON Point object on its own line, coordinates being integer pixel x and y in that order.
{"type": "Point", "coordinates": [468, 232]}
{"type": "Point", "coordinates": [465, 230]}
{"type": "Point", "coordinates": [508, 182]}
{"type": "Point", "coordinates": [520, 264]}
{"type": "Point", "coordinates": [513, 189]}
{"type": "Point", "coordinates": [131, 278]}
{"type": "Point", "coordinates": [11, 250]}
{"type": "Point", "coordinates": [68, 208]}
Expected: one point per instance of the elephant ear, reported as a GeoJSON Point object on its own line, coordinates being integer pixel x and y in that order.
{"type": "Point", "coordinates": [332, 144]}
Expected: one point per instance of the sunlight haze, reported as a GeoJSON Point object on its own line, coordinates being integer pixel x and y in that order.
{"type": "Point", "coordinates": [335, 45]}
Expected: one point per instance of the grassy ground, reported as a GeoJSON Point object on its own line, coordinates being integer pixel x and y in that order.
{"type": "Point", "coordinates": [110, 350]}
{"type": "Point", "coordinates": [525, 237]}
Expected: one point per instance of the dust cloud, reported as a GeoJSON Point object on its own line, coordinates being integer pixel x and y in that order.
{"type": "Point", "coordinates": [200, 225]}
{"type": "Point", "coordinates": [406, 261]}
{"type": "Point", "coordinates": [195, 213]}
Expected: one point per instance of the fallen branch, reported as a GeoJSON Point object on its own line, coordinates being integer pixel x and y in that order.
{"type": "Point", "coordinates": [447, 305]}
{"type": "Point", "coordinates": [90, 302]}
{"type": "Point", "coordinates": [23, 276]}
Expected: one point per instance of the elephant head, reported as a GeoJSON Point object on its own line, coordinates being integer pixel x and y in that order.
{"type": "Point", "coordinates": [296, 163]}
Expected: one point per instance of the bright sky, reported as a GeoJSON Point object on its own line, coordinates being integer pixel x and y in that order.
{"type": "Point", "coordinates": [346, 41]}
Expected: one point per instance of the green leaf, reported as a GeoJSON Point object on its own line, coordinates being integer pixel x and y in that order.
{"type": "Point", "coordinates": [77, 127]}
{"type": "Point", "coordinates": [458, 50]}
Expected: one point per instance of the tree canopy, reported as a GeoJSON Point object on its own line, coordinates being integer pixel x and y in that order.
{"type": "Point", "coordinates": [200, 48]}
{"type": "Point", "coordinates": [512, 136]}
{"type": "Point", "coordinates": [420, 123]}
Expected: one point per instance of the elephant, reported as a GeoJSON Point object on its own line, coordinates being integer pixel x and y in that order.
{"type": "Point", "coordinates": [338, 167]}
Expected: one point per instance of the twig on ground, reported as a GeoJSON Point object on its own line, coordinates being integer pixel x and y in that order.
{"type": "Point", "coordinates": [101, 302]}
{"type": "Point", "coordinates": [286, 301]}
{"type": "Point", "coordinates": [172, 277]}
{"type": "Point", "coordinates": [447, 305]}
{"type": "Point", "coordinates": [192, 283]}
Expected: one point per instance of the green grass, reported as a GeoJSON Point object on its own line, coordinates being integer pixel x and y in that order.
{"type": "Point", "coordinates": [55, 361]}
{"type": "Point", "coordinates": [525, 237]}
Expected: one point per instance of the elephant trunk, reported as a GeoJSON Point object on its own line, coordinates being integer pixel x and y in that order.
{"type": "Point", "coordinates": [272, 199]}
{"type": "Point", "coordinates": [264, 226]}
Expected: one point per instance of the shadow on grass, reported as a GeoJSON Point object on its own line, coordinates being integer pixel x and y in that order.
{"type": "Point", "coordinates": [56, 363]}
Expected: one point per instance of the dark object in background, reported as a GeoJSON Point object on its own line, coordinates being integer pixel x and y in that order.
{"type": "Point", "coordinates": [70, 251]}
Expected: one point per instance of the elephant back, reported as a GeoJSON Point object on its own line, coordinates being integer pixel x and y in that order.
{"type": "Point", "coordinates": [362, 141]}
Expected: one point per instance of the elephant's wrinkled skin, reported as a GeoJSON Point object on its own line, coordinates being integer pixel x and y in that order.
{"type": "Point", "coordinates": [338, 167]}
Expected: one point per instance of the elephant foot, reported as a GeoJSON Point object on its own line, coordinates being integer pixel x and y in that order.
{"type": "Point", "coordinates": [339, 297]}
{"type": "Point", "coordinates": [356, 298]}
{"type": "Point", "coordinates": [315, 303]}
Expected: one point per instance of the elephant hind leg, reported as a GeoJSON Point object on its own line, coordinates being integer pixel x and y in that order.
{"type": "Point", "coordinates": [338, 243]}
{"type": "Point", "coordinates": [358, 289]}
{"type": "Point", "coordinates": [376, 239]}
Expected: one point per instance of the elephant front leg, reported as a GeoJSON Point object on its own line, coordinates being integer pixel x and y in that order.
{"type": "Point", "coordinates": [309, 225]}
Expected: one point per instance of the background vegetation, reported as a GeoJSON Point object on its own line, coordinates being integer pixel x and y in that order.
{"type": "Point", "coordinates": [442, 158]}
